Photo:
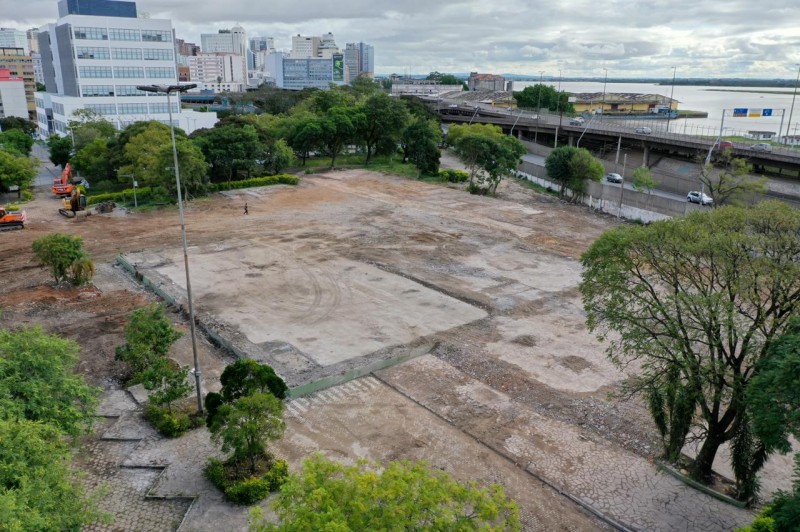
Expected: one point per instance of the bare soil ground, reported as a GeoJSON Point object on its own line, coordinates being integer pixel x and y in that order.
{"type": "Point", "coordinates": [353, 263]}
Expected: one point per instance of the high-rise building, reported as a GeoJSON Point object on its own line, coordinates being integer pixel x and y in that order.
{"type": "Point", "coordinates": [223, 72]}
{"type": "Point", "coordinates": [260, 47]}
{"type": "Point", "coordinates": [20, 65]}
{"type": "Point", "coordinates": [32, 36]}
{"type": "Point", "coordinates": [304, 47]}
{"type": "Point", "coordinates": [11, 38]}
{"type": "Point", "coordinates": [96, 62]}
{"type": "Point", "coordinates": [359, 59]}
{"type": "Point", "coordinates": [185, 49]}
{"type": "Point", "coordinates": [12, 96]}
{"type": "Point", "coordinates": [232, 41]}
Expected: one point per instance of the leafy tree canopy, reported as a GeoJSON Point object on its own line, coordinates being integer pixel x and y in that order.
{"type": "Point", "coordinates": [17, 141]}
{"type": "Point", "coordinates": [37, 382]}
{"type": "Point", "coordinates": [16, 170]}
{"type": "Point", "coordinates": [696, 302]}
{"type": "Point", "coordinates": [60, 149]}
{"type": "Point", "coordinates": [59, 252]}
{"type": "Point", "coordinates": [445, 79]}
{"type": "Point", "coordinates": [487, 153]}
{"type": "Point", "coordinates": [572, 167]}
{"type": "Point", "coordinates": [732, 184]}
{"type": "Point", "coordinates": [148, 338]}
{"type": "Point", "coordinates": [545, 97]}
{"type": "Point", "coordinates": [38, 489]}
{"type": "Point", "coordinates": [643, 179]}
{"type": "Point", "coordinates": [15, 122]}
{"type": "Point", "coordinates": [402, 496]}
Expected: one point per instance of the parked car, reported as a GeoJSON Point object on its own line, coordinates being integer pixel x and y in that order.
{"type": "Point", "coordinates": [699, 198]}
{"type": "Point", "coordinates": [643, 130]}
{"type": "Point", "coordinates": [724, 144]}
{"type": "Point", "coordinates": [577, 121]}
{"type": "Point", "coordinates": [613, 177]}
{"type": "Point", "coordinates": [762, 146]}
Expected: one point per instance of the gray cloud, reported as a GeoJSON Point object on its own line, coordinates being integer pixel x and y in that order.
{"type": "Point", "coordinates": [579, 37]}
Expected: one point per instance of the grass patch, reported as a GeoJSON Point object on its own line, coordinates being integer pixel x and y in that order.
{"type": "Point", "coordinates": [537, 187]}
{"type": "Point", "coordinates": [379, 163]}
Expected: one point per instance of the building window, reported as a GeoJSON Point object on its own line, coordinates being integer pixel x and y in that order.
{"type": "Point", "coordinates": [162, 107]}
{"type": "Point", "coordinates": [132, 108]}
{"type": "Point", "coordinates": [102, 108]}
{"type": "Point", "coordinates": [160, 72]}
{"type": "Point", "coordinates": [158, 54]}
{"type": "Point", "coordinates": [156, 36]}
{"type": "Point", "coordinates": [128, 72]}
{"type": "Point", "coordinates": [58, 108]}
{"type": "Point", "coordinates": [97, 34]}
{"type": "Point", "coordinates": [88, 91]}
{"type": "Point", "coordinates": [95, 72]}
{"type": "Point", "coordinates": [134, 54]}
{"type": "Point", "coordinates": [129, 90]}
{"type": "Point", "coordinates": [91, 52]}
{"type": "Point", "coordinates": [119, 34]}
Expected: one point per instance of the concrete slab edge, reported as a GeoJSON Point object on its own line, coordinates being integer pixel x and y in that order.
{"type": "Point", "coordinates": [613, 523]}
{"type": "Point", "coordinates": [335, 380]}
{"type": "Point", "coordinates": [662, 466]}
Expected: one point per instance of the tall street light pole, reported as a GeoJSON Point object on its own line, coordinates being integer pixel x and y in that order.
{"type": "Point", "coordinates": [605, 81]}
{"type": "Point", "coordinates": [671, 94]}
{"type": "Point", "coordinates": [538, 107]}
{"type": "Point", "coordinates": [791, 110]}
{"type": "Point", "coordinates": [168, 90]}
{"type": "Point", "coordinates": [558, 108]}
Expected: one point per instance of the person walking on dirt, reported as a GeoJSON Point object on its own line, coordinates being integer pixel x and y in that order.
{"type": "Point", "coordinates": [245, 208]}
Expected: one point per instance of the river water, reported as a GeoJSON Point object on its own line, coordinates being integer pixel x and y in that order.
{"type": "Point", "coordinates": [700, 98]}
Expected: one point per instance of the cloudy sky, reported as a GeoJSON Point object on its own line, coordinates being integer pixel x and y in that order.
{"type": "Point", "coordinates": [702, 38]}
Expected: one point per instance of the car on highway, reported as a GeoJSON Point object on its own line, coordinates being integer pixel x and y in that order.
{"type": "Point", "coordinates": [723, 145]}
{"type": "Point", "coordinates": [576, 122]}
{"type": "Point", "coordinates": [613, 177]}
{"type": "Point", "coordinates": [762, 146]}
{"type": "Point", "coordinates": [699, 198]}
{"type": "Point", "coordinates": [643, 130]}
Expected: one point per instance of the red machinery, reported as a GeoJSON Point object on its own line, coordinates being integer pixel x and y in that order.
{"type": "Point", "coordinates": [63, 185]}
{"type": "Point", "coordinates": [11, 219]}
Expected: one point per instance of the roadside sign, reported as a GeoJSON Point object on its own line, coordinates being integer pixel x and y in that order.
{"type": "Point", "coordinates": [766, 112]}
{"type": "Point", "coordinates": [740, 112]}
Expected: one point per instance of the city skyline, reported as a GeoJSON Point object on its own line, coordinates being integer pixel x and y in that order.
{"type": "Point", "coordinates": [721, 39]}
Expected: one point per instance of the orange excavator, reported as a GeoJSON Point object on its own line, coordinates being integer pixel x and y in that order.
{"type": "Point", "coordinates": [63, 185]}
{"type": "Point", "coordinates": [11, 219]}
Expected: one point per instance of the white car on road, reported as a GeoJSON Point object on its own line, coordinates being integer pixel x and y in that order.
{"type": "Point", "coordinates": [699, 198]}
{"type": "Point", "coordinates": [613, 177]}
{"type": "Point", "coordinates": [643, 130]}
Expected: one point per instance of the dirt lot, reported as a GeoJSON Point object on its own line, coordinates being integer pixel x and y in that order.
{"type": "Point", "coordinates": [351, 267]}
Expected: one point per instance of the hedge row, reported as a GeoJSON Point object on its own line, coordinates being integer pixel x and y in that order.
{"type": "Point", "coordinates": [454, 176]}
{"type": "Point", "coordinates": [147, 193]}
{"type": "Point", "coordinates": [280, 179]}
{"type": "Point", "coordinates": [125, 196]}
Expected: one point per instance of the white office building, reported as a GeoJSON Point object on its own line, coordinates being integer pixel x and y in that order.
{"type": "Point", "coordinates": [13, 101]}
{"type": "Point", "coordinates": [218, 68]}
{"type": "Point", "coordinates": [11, 38]}
{"type": "Point", "coordinates": [96, 62]}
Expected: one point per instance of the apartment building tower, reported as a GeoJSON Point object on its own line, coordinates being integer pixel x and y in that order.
{"type": "Point", "coordinates": [94, 57]}
{"type": "Point", "coordinates": [20, 65]}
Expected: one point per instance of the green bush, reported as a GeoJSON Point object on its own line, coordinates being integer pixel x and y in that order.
{"type": "Point", "coordinates": [454, 176]}
{"type": "Point", "coordinates": [248, 490]}
{"type": "Point", "coordinates": [280, 179]}
{"type": "Point", "coordinates": [168, 424]}
{"type": "Point", "coordinates": [126, 196]}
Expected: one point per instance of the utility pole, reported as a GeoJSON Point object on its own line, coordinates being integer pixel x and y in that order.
{"type": "Point", "coordinates": [559, 109]}
{"type": "Point", "coordinates": [538, 107]}
{"type": "Point", "coordinates": [622, 185]}
{"type": "Point", "coordinates": [671, 94]}
{"type": "Point", "coordinates": [791, 110]}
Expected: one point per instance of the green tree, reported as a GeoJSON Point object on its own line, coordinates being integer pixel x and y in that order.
{"type": "Point", "coordinates": [339, 127]}
{"type": "Point", "coordinates": [38, 383]}
{"type": "Point", "coordinates": [545, 97]}
{"type": "Point", "coordinates": [571, 168]}
{"type": "Point", "coordinates": [420, 142]}
{"type": "Point", "coordinates": [93, 160]}
{"type": "Point", "coordinates": [167, 382]}
{"type": "Point", "coordinates": [16, 170]}
{"type": "Point", "coordinates": [488, 154]}
{"type": "Point", "coordinates": [193, 167]}
{"type": "Point", "coordinates": [16, 141]}
{"type": "Point", "coordinates": [304, 135]}
{"type": "Point", "coordinates": [13, 122]}
{"type": "Point", "coordinates": [244, 377]}
{"type": "Point", "coordinates": [445, 79]}
{"type": "Point", "coordinates": [696, 302]}
{"type": "Point", "coordinates": [402, 496]}
{"type": "Point", "coordinates": [60, 150]}
{"type": "Point", "coordinates": [732, 184]}
{"type": "Point", "coordinates": [583, 167]}
{"type": "Point", "coordinates": [38, 488]}
{"type": "Point", "coordinates": [384, 120]}
{"type": "Point", "coordinates": [364, 85]}
{"type": "Point", "coordinates": [247, 425]}
{"type": "Point", "coordinates": [228, 148]}
{"type": "Point", "coordinates": [87, 125]}
{"type": "Point", "coordinates": [643, 180]}
{"type": "Point", "coordinates": [277, 157]}
{"type": "Point", "coordinates": [60, 252]}
{"type": "Point", "coordinates": [148, 338]}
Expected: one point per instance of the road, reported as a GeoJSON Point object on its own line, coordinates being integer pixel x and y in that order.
{"type": "Point", "coordinates": [47, 171]}
{"type": "Point", "coordinates": [539, 161]}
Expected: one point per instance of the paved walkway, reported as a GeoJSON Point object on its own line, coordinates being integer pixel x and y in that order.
{"type": "Point", "coordinates": [621, 485]}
